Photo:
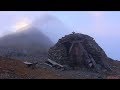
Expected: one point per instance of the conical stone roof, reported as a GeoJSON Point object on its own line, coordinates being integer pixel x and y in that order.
{"type": "Point", "coordinates": [78, 50]}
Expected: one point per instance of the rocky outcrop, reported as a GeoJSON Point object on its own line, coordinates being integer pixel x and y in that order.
{"type": "Point", "coordinates": [79, 50]}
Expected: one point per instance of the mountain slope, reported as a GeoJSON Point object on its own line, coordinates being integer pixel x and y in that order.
{"type": "Point", "coordinates": [29, 39]}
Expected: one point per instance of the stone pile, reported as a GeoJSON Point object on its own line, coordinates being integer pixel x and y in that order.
{"type": "Point", "coordinates": [92, 55]}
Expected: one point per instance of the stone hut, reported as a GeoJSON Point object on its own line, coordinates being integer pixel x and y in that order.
{"type": "Point", "coordinates": [77, 50]}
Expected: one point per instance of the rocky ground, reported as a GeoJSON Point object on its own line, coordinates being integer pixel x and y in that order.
{"type": "Point", "coordinates": [16, 69]}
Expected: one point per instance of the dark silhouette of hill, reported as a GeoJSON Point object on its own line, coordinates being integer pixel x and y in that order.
{"type": "Point", "coordinates": [30, 39]}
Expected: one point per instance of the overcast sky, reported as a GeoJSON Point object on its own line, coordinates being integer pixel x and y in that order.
{"type": "Point", "coordinates": [103, 26]}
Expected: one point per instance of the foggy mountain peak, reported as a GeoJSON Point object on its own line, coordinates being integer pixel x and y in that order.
{"type": "Point", "coordinates": [28, 39]}
{"type": "Point", "coordinates": [48, 24]}
{"type": "Point", "coordinates": [41, 34]}
{"type": "Point", "coordinates": [51, 26]}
